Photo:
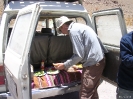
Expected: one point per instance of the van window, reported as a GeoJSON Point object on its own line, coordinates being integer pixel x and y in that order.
{"type": "Point", "coordinates": [45, 23]}
{"type": "Point", "coordinates": [19, 36]}
{"type": "Point", "coordinates": [11, 23]}
{"type": "Point", "coordinates": [78, 20]}
{"type": "Point", "coordinates": [108, 29]}
{"type": "Point", "coordinates": [49, 23]}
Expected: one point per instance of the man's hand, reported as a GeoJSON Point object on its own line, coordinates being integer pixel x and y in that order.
{"type": "Point", "coordinates": [75, 67]}
{"type": "Point", "coordinates": [59, 66]}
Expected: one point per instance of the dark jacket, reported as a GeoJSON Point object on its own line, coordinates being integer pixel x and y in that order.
{"type": "Point", "coordinates": [125, 73]}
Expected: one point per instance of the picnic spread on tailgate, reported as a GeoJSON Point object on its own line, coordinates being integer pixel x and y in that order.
{"type": "Point", "coordinates": [48, 77]}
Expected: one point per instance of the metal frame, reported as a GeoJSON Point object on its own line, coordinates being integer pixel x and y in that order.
{"type": "Point", "coordinates": [7, 1]}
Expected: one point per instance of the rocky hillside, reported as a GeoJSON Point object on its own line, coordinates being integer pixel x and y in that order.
{"type": "Point", "coordinates": [96, 5]}
{"type": "Point", "coordinates": [125, 5]}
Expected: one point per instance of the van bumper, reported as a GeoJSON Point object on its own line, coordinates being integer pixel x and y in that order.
{"type": "Point", "coordinates": [43, 93]}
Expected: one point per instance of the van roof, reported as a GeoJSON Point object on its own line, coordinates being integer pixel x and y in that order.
{"type": "Point", "coordinates": [46, 5]}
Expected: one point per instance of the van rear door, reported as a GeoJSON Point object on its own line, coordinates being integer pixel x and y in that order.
{"type": "Point", "coordinates": [17, 67]}
{"type": "Point", "coordinates": [110, 27]}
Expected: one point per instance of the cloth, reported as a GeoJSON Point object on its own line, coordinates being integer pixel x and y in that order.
{"type": "Point", "coordinates": [125, 72]}
{"type": "Point", "coordinates": [124, 94]}
{"type": "Point", "coordinates": [62, 78]}
{"type": "Point", "coordinates": [90, 80]}
{"type": "Point", "coordinates": [86, 47]}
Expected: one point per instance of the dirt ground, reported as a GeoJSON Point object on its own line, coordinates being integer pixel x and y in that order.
{"type": "Point", "coordinates": [106, 91]}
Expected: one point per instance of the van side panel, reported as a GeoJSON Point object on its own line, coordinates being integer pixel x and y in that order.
{"type": "Point", "coordinates": [3, 44]}
{"type": "Point", "coordinates": [112, 64]}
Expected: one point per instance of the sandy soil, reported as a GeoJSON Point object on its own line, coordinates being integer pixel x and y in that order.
{"type": "Point", "coordinates": [106, 91]}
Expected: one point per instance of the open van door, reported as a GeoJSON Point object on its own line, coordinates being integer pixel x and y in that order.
{"type": "Point", "coordinates": [110, 27]}
{"type": "Point", "coordinates": [17, 67]}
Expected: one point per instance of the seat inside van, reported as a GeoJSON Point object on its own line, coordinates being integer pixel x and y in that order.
{"type": "Point", "coordinates": [45, 32]}
{"type": "Point", "coordinates": [60, 49]}
{"type": "Point", "coordinates": [52, 49]}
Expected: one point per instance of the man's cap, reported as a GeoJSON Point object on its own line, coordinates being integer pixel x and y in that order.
{"type": "Point", "coordinates": [60, 21]}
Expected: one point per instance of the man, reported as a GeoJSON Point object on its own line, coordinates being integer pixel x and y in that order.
{"type": "Point", "coordinates": [125, 73]}
{"type": "Point", "coordinates": [87, 50]}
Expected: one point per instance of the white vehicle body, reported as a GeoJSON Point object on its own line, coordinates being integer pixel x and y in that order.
{"type": "Point", "coordinates": [14, 54]}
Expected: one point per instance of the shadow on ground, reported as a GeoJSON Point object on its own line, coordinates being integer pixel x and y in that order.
{"type": "Point", "coordinates": [73, 95]}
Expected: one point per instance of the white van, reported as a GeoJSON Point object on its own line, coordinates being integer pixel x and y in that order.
{"type": "Point", "coordinates": [28, 37]}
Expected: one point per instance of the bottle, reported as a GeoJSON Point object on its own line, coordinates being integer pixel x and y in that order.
{"type": "Point", "coordinates": [42, 65]}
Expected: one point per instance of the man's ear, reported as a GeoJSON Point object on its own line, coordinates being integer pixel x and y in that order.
{"type": "Point", "coordinates": [66, 26]}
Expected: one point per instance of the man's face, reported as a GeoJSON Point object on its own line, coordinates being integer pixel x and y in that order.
{"type": "Point", "coordinates": [64, 29]}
